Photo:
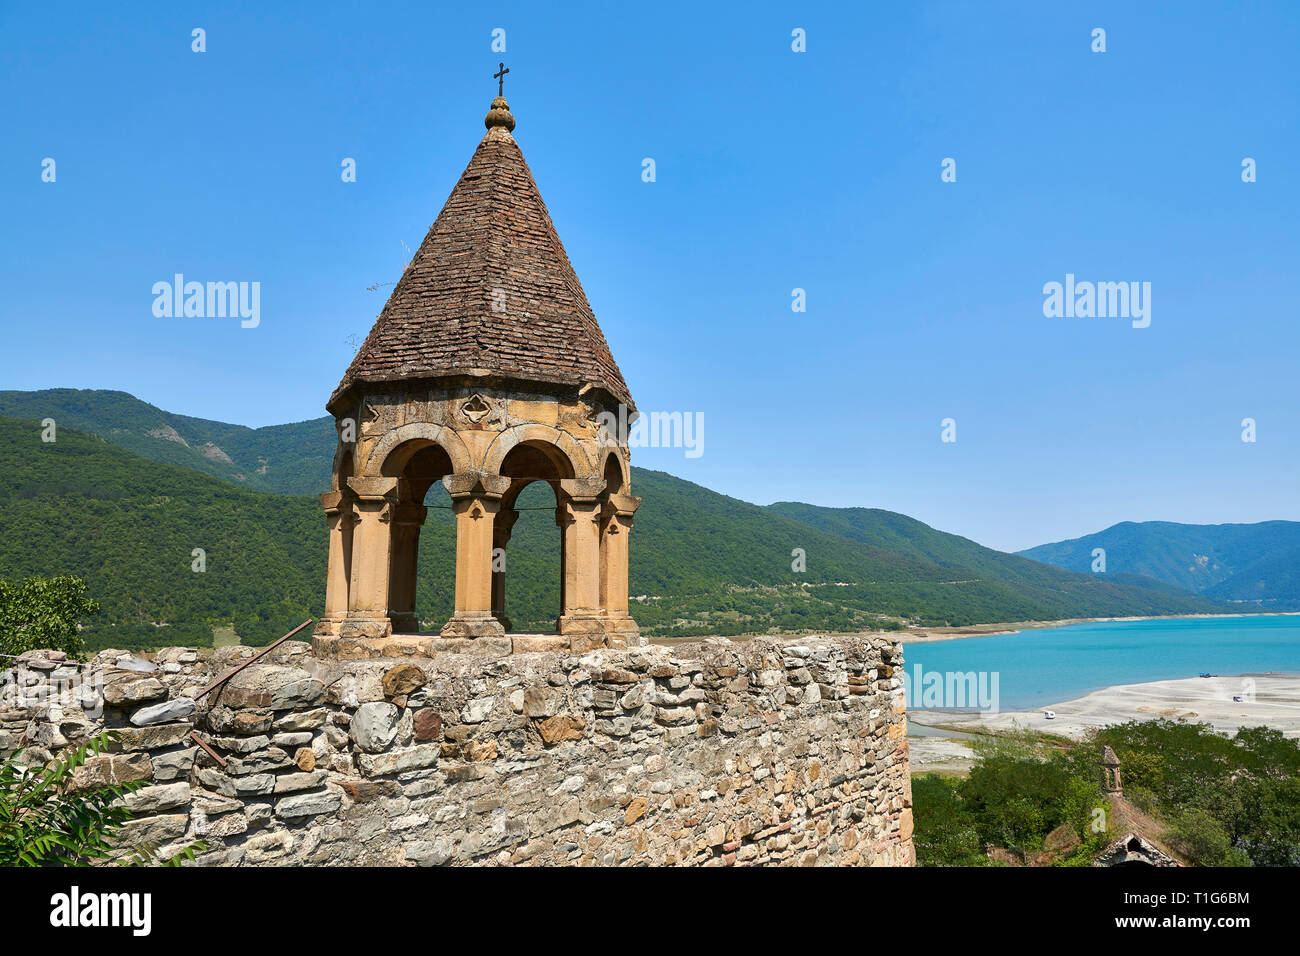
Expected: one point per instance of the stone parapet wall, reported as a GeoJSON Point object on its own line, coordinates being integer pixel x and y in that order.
{"type": "Point", "coordinates": [766, 751]}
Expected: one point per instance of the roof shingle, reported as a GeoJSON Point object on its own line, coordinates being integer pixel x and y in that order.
{"type": "Point", "coordinates": [490, 292]}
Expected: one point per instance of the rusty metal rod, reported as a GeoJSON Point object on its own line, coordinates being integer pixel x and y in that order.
{"type": "Point", "coordinates": [221, 761]}
{"type": "Point", "coordinates": [256, 657]}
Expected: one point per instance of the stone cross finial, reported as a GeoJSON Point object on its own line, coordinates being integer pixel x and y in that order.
{"type": "Point", "coordinates": [500, 78]}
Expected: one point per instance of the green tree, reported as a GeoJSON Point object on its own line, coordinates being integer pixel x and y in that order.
{"type": "Point", "coordinates": [1273, 837]}
{"type": "Point", "coordinates": [1204, 840]}
{"type": "Point", "coordinates": [946, 832]}
{"type": "Point", "coordinates": [43, 613]}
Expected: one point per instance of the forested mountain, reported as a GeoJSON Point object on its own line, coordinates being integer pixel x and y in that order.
{"type": "Point", "coordinates": [973, 569]}
{"type": "Point", "coordinates": [129, 526]}
{"type": "Point", "coordinates": [1257, 565]}
{"type": "Point", "coordinates": [701, 562]}
{"type": "Point", "coordinates": [288, 459]}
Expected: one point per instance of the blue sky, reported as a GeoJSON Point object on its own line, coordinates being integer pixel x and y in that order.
{"type": "Point", "coordinates": [775, 170]}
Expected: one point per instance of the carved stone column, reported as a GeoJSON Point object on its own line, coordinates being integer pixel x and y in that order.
{"type": "Point", "coordinates": [406, 522]}
{"type": "Point", "coordinates": [505, 522]}
{"type": "Point", "coordinates": [340, 517]}
{"type": "Point", "coordinates": [616, 526]}
{"type": "Point", "coordinates": [475, 498]}
{"type": "Point", "coordinates": [580, 511]}
{"type": "Point", "coordinates": [371, 556]}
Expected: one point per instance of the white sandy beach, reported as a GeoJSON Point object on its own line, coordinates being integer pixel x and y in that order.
{"type": "Point", "coordinates": [1267, 699]}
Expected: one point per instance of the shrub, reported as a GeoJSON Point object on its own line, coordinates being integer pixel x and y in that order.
{"type": "Point", "coordinates": [45, 823]}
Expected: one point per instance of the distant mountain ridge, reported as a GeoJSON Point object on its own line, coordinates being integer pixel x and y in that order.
{"type": "Point", "coordinates": [1256, 565]}
{"type": "Point", "coordinates": [125, 506]}
{"type": "Point", "coordinates": [289, 459]}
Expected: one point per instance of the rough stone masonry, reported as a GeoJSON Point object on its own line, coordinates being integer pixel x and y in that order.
{"type": "Point", "coordinates": [759, 752]}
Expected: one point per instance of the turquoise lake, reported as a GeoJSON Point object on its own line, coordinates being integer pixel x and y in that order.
{"type": "Point", "coordinates": [1051, 665]}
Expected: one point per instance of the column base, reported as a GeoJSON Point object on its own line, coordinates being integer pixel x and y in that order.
{"type": "Point", "coordinates": [591, 623]}
{"type": "Point", "coordinates": [482, 635]}
{"type": "Point", "coordinates": [473, 627]}
{"type": "Point", "coordinates": [365, 625]}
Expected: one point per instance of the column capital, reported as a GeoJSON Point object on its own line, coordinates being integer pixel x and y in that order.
{"type": "Point", "coordinates": [623, 505]}
{"type": "Point", "coordinates": [572, 510]}
{"type": "Point", "coordinates": [373, 489]}
{"type": "Point", "coordinates": [475, 484]}
{"type": "Point", "coordinates": [582, 489]}
{"type": "Point", "coordinates": [334, 501]}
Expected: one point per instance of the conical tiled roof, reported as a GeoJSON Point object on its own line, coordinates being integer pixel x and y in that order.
{"type": "Point", "coordinates": [490, 292]}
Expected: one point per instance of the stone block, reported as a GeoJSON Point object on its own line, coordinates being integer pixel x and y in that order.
{"type": "Point", "coordinates": [293, 782]}
{"type": "Point", "coordinates": [152, 831]}
{"type": "Point", "coordinates": [110, 769]}
{"type": "Point", "coordinates": [176, 709]}
{"type": "Point", "coordinates": [540, 702]}
{"type": "Point", "coordinates": [308, 805]}
{"type": "Point", "coordinates": [158, 797]}
{"type": "Point", "coordinates": [427, 725]}
{"type": "Point", "coordinates": [154, 737]}
{"type": "Point", "coordinates": [374, 726]}
{"type": "Point", "coordinates": [130, 691]}
{"type": "Point", "coordinates": [561, 727]}
{"type": "Point", "coordinates": [403, 679]}
{"type": "Point", "coordinates": [397, 761]}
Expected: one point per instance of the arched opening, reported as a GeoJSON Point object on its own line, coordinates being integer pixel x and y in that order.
{"type": "Point", "coordinates": [609, 564]}
{"type": "Point", "coordinates": [419, 465]}
{"type": "Point", "coordinates": [613, 475]}
{"type": "Point", "coordinates": [343, 527]}
{"type": "Point", "coordinates": [524, 551]}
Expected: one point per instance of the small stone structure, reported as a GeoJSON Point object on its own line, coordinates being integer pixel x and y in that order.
{"type": "Point", "coordinates": [1110, 780]}
{"type": "Point", "coordinates": [485, 371]}
{"type": "Point", "coordinates": [1135, 850]}
{"type": "Point", "coordinates": [765, 751]}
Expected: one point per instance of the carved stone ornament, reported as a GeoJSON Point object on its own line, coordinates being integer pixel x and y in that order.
{"type": "Point", "coordinates": [476, 408]}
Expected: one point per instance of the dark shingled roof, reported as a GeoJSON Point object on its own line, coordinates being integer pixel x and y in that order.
{"type": "Point", "coordinates": [493, 236]}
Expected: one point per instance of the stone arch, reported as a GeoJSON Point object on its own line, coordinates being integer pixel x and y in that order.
{"type": "Point", "coordinates": [534, 459]}
{"type": "Point", "coordinates": [543, 434]}
{"type": "Point", "coordinates": [447, 439]}
{"type": "Point", "coordinates": [613, 531]}
{"type": "Point", "coordinates": [344, 467]}
{"type": "Point", "coordinates": [614, 469]}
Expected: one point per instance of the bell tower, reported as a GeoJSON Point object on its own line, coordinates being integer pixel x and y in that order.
{"type": "Point", "coordinates": [485, 371]}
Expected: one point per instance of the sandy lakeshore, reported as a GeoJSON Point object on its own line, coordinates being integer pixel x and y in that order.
{"type": "Point", "coordinates": [1270, 700]}
{"type": "Point", "coordinates": [925, 635]}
